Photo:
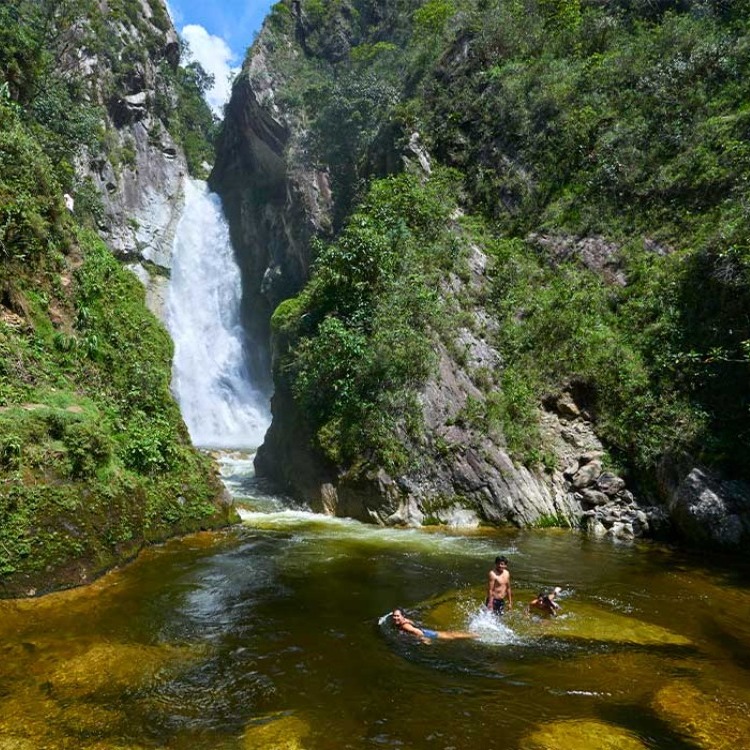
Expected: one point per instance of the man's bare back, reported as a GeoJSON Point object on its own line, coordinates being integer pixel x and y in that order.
{"type": "Point", "coordinates": [498, 587]}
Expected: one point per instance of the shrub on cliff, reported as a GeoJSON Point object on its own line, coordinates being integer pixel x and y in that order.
{"type": "Point", "coordinates": [358, 341]}
{"type": "Point", "coordinates": [94, 460]}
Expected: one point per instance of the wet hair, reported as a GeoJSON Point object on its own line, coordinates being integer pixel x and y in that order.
{"type": "Point", "coordinates": [501, 559]}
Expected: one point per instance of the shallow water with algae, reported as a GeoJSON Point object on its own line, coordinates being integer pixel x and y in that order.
{"type": "Point", "coordinates": [272, 634]}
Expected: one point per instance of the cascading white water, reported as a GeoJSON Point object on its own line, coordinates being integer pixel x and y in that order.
{"type": "Point", "coordinates": [210, 377]}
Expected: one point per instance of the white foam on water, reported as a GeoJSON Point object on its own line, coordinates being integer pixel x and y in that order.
{"type": "Point", "coordinates": [321, 528]}
{"type": "Point", "coordinates": [491, 629]}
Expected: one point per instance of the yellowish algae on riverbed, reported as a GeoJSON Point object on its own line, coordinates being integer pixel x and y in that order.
{"type": "Point", "coordinates": [57, 701]}
{"type": "Point", "coordinates": [581, 734]}
{"type": "Point", "coordinates": [114, 667]}
{"type": "Point", "coordinates": [586, 621]}
{"type": "Point", "coordinates": [280, 733]}
{"type": "Point", "coordinates": [715, 721]}
{"type": "Point", "coordinates": [578, 620]}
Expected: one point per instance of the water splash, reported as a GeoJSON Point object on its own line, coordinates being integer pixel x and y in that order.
{"type": "Point", "coordinates": [210, 378]}
{"type": "Point", "coordinates": [490, 628]}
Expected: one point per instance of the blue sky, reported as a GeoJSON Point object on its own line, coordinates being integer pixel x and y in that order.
{"type": "Point", "coordinates": [219, 32]}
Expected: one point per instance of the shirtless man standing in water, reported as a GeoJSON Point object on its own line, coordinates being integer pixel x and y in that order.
{"type": "Point", "coordinates": [498, 587]}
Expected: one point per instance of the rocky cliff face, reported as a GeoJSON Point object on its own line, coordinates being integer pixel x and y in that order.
{"type": "Point", "coordinates": [274, 201]}
{"type": "Point", "coordinates": [138, 170]}
{"type": "Point", "coordinates": [277, 197]}
{"type": "Point", "coordinates": [464, 475]}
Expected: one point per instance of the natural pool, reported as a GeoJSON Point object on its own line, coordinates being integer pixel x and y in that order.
{"type": "Point", "coordinates": [267, 635]}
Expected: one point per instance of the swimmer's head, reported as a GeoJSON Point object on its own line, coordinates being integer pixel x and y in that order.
{"type": "Point", "coordinates": [398, 616]}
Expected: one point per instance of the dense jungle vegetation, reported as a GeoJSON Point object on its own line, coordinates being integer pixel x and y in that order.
{"type": "Point", "coordinates": [603, 156]}
{"type": "Point", "coordinates": [94, 457]}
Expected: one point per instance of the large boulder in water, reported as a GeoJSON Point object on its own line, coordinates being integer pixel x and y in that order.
{"type": "Point", "coordinates": [577, 734]}
{"type": "Point", "coordinates": [278, 731]}
{"type": "Point", "coordinates": [715, 721]}
{"type": "Point", "coordinates": [579, 620]}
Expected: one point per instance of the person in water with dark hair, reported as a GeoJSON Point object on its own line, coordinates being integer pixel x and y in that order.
{"type": "Point", "coordinates": [405, 625]}
{"type": "Point", "coordinates": [545, 603]}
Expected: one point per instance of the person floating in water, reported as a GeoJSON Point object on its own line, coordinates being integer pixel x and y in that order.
{"type": "Point", "coordinates": [498, 587]}
{"type": "Point", "coordinates": [545, 603]}
{"type": "Point", "coordinates": [405, 625]}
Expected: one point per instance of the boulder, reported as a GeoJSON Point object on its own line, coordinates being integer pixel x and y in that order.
{"type": "Point", "coordinates": [587, 474]}
{"type": "Point", "coordinates": [705, 508]}
{"type": "Point", "coordinates": [581, 734]}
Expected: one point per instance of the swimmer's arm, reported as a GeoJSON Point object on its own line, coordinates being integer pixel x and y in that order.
{"type": "Point", "coordinates": [410, 627]}
{"type": "Point", "coordinates": [490, 581]}
{"type": "Point", "coordinates": [510, 594]}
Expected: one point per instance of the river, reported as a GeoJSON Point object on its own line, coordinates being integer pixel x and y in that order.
{"type": "Point", "coordinates": [270, 635]}
{"type": "Point", "coordinates": [273, 635]}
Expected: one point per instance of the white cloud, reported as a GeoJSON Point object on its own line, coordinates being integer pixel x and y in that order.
{"type": "Point", "coordinates": [214, 54]}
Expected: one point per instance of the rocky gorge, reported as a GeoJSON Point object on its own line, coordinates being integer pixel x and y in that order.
{"type": "Point", "coordinates": [283, 183]}
{"type": "Point", "coordinates": [485, 275]}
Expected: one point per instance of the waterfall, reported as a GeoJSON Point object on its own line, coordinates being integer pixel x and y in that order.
{"type": "Point", "coordinates": [210, 377]}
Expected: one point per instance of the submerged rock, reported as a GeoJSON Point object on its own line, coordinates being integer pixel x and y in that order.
{"type": "Point", "coordinates": [579, 620]}
{"type": "Point", "coordinates": [587, 621]}
{"type": "Point", "coordinates": [280, 732]}
{"type": "Point", "coordinates": [712, 721]}
{"type": "Point", "coordinates": [577, 734]}
{"type": "Point", "coordinates": [114, 667]}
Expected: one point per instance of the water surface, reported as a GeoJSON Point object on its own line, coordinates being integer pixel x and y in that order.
{"type": "Point", "coordinates": [269, 635]}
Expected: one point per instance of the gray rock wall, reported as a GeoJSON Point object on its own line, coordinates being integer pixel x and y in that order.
{"type": "Point", "coordinates": [274, 203]}
{"type": "Point", "coordinates": [139, 171]}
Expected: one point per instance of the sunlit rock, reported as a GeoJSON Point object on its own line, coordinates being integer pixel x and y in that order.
{"type": "Point", "coordinates": [280, 732]}
{"type": "Point", "coordinates": [451, 613]}
{"type": "Point", "coordinates": [113, 668]}
{"type": "Point", "coordinates": [715, 721]}
{"type": "Point", "coordinates": [587, 621]}
{"type": "Point", "coordinates": [581, 735]}
{"type": "Point", "coordinates": [577, 620]}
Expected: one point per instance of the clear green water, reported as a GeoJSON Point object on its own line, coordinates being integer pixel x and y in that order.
{"type": "Point", "coordinates": [267, 636]}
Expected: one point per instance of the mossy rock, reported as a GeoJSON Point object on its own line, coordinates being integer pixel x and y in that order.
{"type": "Point", "coordinates": [114, 667]}
{"type": "Point", "coordinates": [586, 621]}
{"type": "Point", "coordinates": [449, 613]}
{"type": "Point", "coordinates": [714, 721]}
{"type": "Point", "coordinates": [578, 734]}
{"type": "Point", "coordinates": [579, 620]}
{"type": "Point", "coordinates": [280, 732]}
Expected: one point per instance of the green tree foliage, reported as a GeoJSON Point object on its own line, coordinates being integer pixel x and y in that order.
{"type": "Point", "coordinates": [358, 342]}
{"type": "Point", "coordinates": [95, 460]}
{"type": "Point", "coordinates": [625, 122]}
{"type": "Point", "coordinates": [192, 124]}
{"type": "Point", "coordinates": [617, 124]}
{"type": "Point", "coordinates": [431, 18]}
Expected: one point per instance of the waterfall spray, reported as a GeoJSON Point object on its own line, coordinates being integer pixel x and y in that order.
{"type": "Point", "coordinates": [210, 378]}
